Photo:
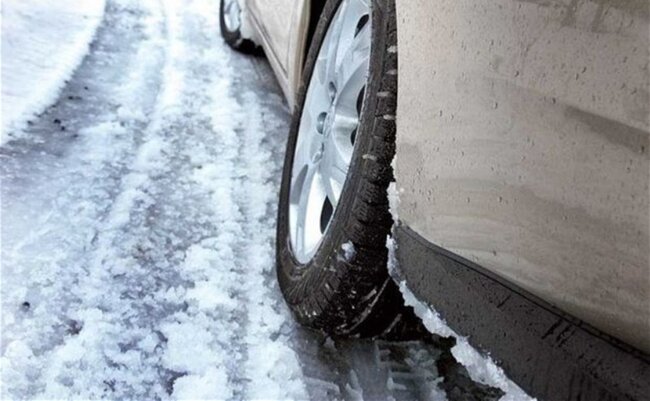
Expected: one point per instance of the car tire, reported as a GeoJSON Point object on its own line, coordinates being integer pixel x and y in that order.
{"type": "Point", "coordinates": [345, 288]}
{"type": "Point", "coordinates": [231, 31]}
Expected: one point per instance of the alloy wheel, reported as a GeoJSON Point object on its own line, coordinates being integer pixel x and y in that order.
{"type": "Point", "coordinates": [232, 15]}
{"type": "Point", "coordinates": [328, 126]}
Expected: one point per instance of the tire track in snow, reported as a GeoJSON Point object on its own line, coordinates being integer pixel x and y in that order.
{"type": "Point", "coordinates": [174, 303]}
{"type": "Point", "coordinates": [237, 177]}
{"type": "Point", "coordinates": [275, 367]}
{"type": "Point", "coordinates": [212, 266]}
{"type": "Point", "coordinates": [58, 185]}
{"type": "Point", "coordinates": [148, 333]}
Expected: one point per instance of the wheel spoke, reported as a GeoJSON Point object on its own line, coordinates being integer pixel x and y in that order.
{"type": "Point", "coordinates": [328, 126]}
{"type": "Point", "coordinates": [344, 127]}
{"type": "Point", "coordinates": [299, 206]}
{"type": "Point", "coordinates": [352, 73]}
{"type": "Point", "coordinates": [319, 94]}
{"type": "Point", "coordinates": [301, 158]}
{"type": "Point", "coordinates": [232, 14]}
{"type": "Point", "coordinates": [330, 49]}
{"type": "Point", "coordinates": [355, 10]}
{"type": "Point", "coordinates": [318, 98]}
{"type": "Point", "coordinates": [334, 170]}
{"type": "Point", "coordinates": [308, 209]}
{"type": "Point", "coordinates": [351, 20]}
{"type": "Point", "coordinates": [345, 122]}
{"type": "Point", "coordinates": [306, 141]}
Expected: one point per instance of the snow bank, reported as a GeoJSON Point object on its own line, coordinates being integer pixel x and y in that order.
{"type": "Point", "coordinates": [43, 42]}
{"type": "Point", "coordinates": [481, 368]}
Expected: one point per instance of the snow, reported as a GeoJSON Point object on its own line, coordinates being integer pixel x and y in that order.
{"type": "Point", "coordinates": [353, 388]}
{"type": "Point", "coordinates": [391, 385]}
{"type": "Point", "coordinates": [146, 249]}
{"type": "Point", "coordinates": [43, 42]}
{"type": "Point", "coordinates": [349, 252]}
{"type": "Point", "coordinates": [481, 368]}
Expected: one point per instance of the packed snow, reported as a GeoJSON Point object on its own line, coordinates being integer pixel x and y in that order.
{"type": "Point", "coordinates": [43, 42]}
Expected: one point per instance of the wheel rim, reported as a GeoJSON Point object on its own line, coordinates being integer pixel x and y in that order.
{"type": "Point", "coordinates": [232, 14]}
{"type": "Point", "coordinates": [328, 126]}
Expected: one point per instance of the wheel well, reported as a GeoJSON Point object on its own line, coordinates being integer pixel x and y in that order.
{"type": "Point", "coordinates": [315, 11]}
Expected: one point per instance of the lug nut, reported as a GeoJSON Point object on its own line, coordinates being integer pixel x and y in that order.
{"type": "Point", "coordinates": [320, 122]}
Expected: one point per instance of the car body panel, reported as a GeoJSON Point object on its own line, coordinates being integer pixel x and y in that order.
{"type": "Point", "coordinates": [281, 27]}
{"type": "Point", "coordinates": [263, 37]}
{"type": "Point", "coordinates": [298, 48]}
{"type": "Point", "coordinates": [548, 353]}
{"type": "Point", "coordinates": [522, 145]}
{"type": "Point", "coordinates": [276, 25]}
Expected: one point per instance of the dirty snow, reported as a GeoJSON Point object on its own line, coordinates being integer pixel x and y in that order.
{"type": "Point", "coordinates": [43, 42]}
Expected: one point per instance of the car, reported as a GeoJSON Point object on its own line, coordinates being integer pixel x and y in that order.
{"type": "Point", "coordinates": [514, 138]}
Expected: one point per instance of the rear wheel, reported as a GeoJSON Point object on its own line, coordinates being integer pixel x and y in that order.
{"type": "Point", "coordinates": [333, 214]}
{"type": "Point", "coordinates": [230, 20]}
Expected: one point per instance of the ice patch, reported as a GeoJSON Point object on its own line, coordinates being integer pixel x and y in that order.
{"type": "Point", "coordinates": [102, 140]}
{"type": "Point", "coordinates": [125, 114]}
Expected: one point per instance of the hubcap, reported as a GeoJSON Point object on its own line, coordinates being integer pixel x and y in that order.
{"type": "Point", "coordinates": [232, 14]}
{"type": "Point", "coordinates": [328, 126]}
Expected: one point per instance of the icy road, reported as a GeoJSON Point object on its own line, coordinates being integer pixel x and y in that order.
{"type": "Point", "coordinates": [138, 216]}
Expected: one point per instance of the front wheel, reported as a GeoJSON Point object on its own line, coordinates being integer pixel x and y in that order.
{"type": "Point", "coordinates": [333, 215]}
{"type": "Point", "coordinates": [230, 20]}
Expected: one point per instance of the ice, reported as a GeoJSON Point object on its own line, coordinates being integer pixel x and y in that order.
{"type": "Point", "coordinates": [353, 388]}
